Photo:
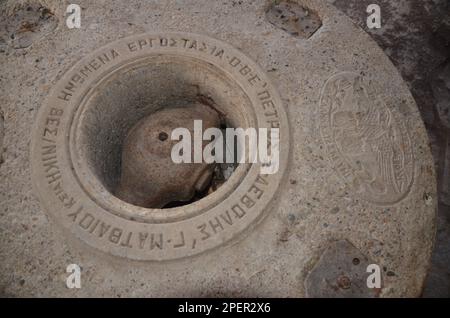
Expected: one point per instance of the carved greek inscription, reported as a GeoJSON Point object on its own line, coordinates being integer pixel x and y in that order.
{"type": "Point", "coordinates": [49, 157]}
{"type": "Point", "coordinates": [266, 102]}
{"type": "Point", "coordinates": [118, 235]}
{"type": "Point", "coordinates": [84, 72]}
{"type": "Point", "coordinates": [236, 213]}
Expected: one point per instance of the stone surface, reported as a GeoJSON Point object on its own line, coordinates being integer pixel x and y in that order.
{"type": "Point", "coordinates": [341, 272]}
{"type": "Point", "coordinates": [416, 37]}
{"type": "Point", "coordinates": [30, 24]}
{"type": "Point", "coordinates": [293, 18]}
{"type": "Point", "coordinates": [2, 128]}
{"type": "Point", "coordinates": [79, 135]}
{"type": "Point", "coordinates": [323, 197]}
{"type": "Point", "coordinates": [441, 92]}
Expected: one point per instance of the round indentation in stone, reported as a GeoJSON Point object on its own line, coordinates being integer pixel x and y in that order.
{"type": "Point", "coordinates": [163, 136]}
{"type": "Point", "coordinates": [78, 138]}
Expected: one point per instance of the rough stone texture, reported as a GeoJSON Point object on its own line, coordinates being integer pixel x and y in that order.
{"type": "Point", "coordinates": [415, 34]}
{"type": "Point", "coordinates": [441, 92]}
{"type": "Point", "coordinates": [347, 279]}
{"type": "Point", "coordinates": [2, 119]}
{"type": "Point", "coordinates": [316, 204]}
{"type": "Point", "coordinates": [24, 27]}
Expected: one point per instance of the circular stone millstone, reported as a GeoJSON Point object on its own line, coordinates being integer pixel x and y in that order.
{"type": "Point", "coordinates": [356, 184]}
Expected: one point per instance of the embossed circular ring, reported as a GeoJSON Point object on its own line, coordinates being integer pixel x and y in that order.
{"type": "Point", "coordinates": [78, 135]}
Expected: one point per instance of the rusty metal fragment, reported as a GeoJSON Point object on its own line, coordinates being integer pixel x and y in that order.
{"type": "Point", "coordinates": [293, 19]}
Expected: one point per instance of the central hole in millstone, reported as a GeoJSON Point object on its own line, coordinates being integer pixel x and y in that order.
{"type": "Point", "coordinates": [149, 99]}
{"type": "Point", "coordinates": [151, 175]}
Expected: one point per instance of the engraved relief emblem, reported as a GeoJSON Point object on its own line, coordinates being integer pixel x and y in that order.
{"type": "Point", "coordinates": [367, 143]}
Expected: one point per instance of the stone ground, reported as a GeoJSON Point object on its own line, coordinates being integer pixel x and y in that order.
{"type": "Point", "coordinates": [415, 34]}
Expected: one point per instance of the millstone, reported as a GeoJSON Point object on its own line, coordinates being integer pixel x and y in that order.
{"type": "Point", "coordinates": [355, 185]}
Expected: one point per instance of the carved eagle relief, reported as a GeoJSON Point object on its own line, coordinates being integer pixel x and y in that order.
{"type": "Point", "coordinates": [370, 148]}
